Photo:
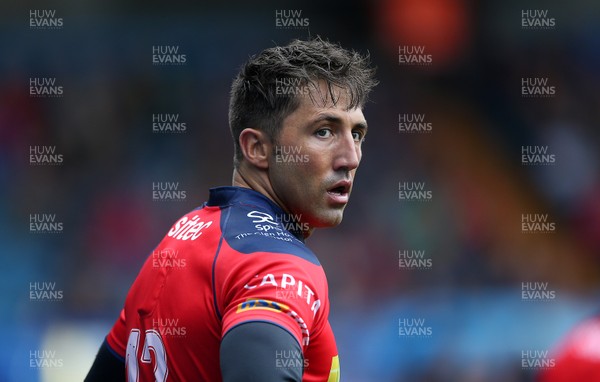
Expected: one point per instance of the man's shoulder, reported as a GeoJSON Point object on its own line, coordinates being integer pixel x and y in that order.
{"type": "Point", "coordinates": [249, 228]}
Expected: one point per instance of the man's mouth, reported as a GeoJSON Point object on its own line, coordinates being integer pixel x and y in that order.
{"type": "Point", "coordinates": [339, 193]}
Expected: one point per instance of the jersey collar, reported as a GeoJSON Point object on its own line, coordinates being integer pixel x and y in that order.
{"type": "Point", "coordinates": [228, 195]}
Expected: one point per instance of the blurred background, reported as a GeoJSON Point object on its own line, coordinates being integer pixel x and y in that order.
{"type": "Point", "coordinates": [81, 89]}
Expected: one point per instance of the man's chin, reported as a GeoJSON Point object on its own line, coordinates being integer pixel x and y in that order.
{"type": "Point", "coordinates": [329, 220]}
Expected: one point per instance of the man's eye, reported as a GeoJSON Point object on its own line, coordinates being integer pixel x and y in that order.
{"type": "Point", "coordinates": [358, 136]}
{"type": "Point", "coordinates": [324, 133]}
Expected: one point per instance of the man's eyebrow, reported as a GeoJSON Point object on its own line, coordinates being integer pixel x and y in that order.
{"type": "Point", "coordinates": [337, 120]}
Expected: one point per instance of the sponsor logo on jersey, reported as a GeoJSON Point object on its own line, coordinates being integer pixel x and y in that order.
{"type": "Point", "coordinates": [252, 304]}
{"type": "Point", "coordinates": [188, 229]}
{"type": "Point", "coordinates": [274, 306]}
{"type": "Point", "coordinates": [291, 284]}
{"type": "Point", "coordinates": [264, 222]}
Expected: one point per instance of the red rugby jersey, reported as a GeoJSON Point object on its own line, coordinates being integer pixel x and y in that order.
{"type": "Point", "coordinates": [577, 356]}
{"type": "Point", "coordinates": [238, 258]}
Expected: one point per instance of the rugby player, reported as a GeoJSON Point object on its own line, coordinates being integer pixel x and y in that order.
{"type": "Point", "coordinates": [577, 356]}
{"type": "Point", "coordinates": [246, 300]}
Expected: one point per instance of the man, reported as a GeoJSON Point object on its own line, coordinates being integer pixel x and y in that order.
{"type": "Point", "coordinates": [251, 297]}
{"type": "Point", "coordinates": [577, 356]}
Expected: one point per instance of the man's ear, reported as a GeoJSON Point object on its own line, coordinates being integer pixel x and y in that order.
{"type": "Point", "coordinates": [256, 147]}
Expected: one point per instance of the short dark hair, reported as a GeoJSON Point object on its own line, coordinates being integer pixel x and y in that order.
{"type": "Point", "coordinates": [254, 101]}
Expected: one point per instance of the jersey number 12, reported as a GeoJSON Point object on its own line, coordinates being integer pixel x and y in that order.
{"type": "Point", "coordinates": [152, 343]}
